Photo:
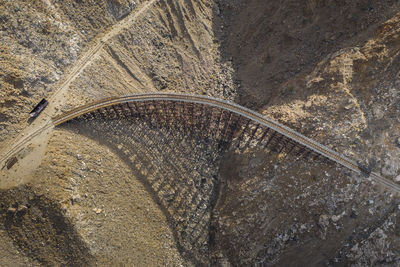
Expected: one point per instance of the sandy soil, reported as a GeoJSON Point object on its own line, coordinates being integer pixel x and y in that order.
{"type": "Point", "coordinates": [328, 70]}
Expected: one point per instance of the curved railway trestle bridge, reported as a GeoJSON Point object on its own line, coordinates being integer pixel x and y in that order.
{"type": "Point", "coordinates": [174, 143]}
{"type": "Point", "coordinates": [225, 120]}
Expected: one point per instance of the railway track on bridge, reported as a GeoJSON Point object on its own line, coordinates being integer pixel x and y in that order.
{"type": "Point", "coordinates": [205, 101]}
{"type": "Point", "coordinates": [234, 108]}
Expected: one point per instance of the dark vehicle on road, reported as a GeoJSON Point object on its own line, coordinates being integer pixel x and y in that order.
{"type": "Point", "coordinates": [38, 108]}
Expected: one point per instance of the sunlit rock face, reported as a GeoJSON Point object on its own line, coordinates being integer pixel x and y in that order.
{"type": "Point", "coordinates": [328, 70]}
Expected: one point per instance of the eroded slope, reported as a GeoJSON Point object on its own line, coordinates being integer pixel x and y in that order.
{"type": "Point", "coordinates": [327, 69]}
{"type": "Point", "coordinates": [344, 96]}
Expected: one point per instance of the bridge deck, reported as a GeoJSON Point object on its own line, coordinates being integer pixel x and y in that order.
{"type": "Point", "coordinates": [227, 121]}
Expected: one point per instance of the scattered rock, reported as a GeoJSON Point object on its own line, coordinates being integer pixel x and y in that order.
{"type": "Point", "coordinates": [22, 207]}
{"type": "Point", "coordinates": [75, 198]}
{"type": "Point", "coordinates": [354, 248]}
{"type": "Point", "coordinates": [370, 211]}
{"type": "Point", "coordinates": [97, 210]}
{"type": "Point", "coordinates": [397, 179]}
{"type": "Point", "coordinates": [12, 210]}
{"type": "Point", "coordinates": [324, 220]}
{"type": "Point", "coordinates": [335, 218]}
{"type": "Point", "coordinates": [78, 156]}
{"type": "Point", "coordinates": [84, 167]}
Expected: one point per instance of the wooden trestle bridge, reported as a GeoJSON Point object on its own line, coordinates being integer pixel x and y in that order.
{"type": "Point", "coordinates": [228, 122]}
{"type": "Point", "coordinates": [174, 143]}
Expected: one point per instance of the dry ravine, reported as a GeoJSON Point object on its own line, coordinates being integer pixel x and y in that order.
{"type": "Point", "coordinates": [121, 191]}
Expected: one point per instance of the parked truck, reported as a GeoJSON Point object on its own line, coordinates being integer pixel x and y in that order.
{"type": "Point", "coordinates": [38, 108]}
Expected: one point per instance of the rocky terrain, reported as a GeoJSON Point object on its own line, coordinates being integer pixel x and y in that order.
{"type": "Point", "coordinates": [328, 69]}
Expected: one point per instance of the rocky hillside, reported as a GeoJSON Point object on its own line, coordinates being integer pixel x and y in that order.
{"type": "Point", "coordinates": [40, 41]}
{"type": "Point", "coordinates": [327, 69]}
{"type": "Point", "coordinates": [329, 72]}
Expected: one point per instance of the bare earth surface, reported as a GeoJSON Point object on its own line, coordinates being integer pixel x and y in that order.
{"type": "Point", "coordinates": [328, 69]}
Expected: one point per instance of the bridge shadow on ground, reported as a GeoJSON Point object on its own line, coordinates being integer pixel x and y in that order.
{"type": "Point", "coordinates": [179, 170]}
{"type": "Point", "coordinates": [175, 149]}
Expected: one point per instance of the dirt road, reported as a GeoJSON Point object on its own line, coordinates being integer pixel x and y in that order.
{"type": "Point", "coordinates": [36, 134]}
